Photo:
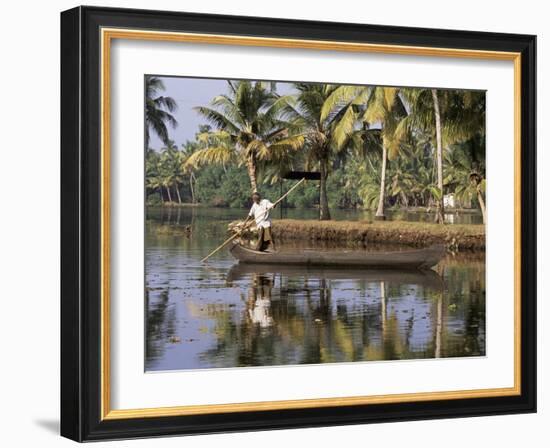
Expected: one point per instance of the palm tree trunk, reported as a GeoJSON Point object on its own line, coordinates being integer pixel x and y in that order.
{"type": "Point", "coordinates": [251, 167]}
{"type": "Point", "coordinates": [192, 188]}
{"type": "Point", "coordinates": [481, 205]}
{"type": "Point", "coordinates": [178, 193]}
{"type": "Point", "coordinates": [324, 212]}
{"type": "Point", "coordinates": [169, 195]}
{"type": "Point", "coordinates": [439, 217]}
{"type": "Point", "coordinates": [380, 210]}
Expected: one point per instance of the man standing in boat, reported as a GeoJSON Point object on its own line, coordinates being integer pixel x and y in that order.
{"type": "Point", "coordinates": [260, 213]}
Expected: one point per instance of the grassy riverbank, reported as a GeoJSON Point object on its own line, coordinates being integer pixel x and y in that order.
{"type": "Point", "coordinates": [457, 237]}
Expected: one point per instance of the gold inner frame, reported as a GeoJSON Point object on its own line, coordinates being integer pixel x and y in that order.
{"type": "Point", "coordinates": [107, 35]}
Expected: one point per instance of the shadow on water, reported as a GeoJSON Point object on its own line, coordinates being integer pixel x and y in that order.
{"type": "Point", "coordinates": [227, 315]}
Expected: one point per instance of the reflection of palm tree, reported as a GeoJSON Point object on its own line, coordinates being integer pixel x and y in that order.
{"type": "Point", "coordinates": [384, 311]}
{"type": "Point", "coordinates": [392, 346]}
{"type": "Point", "coordinates": [159, 326]}
{"type": "Point", "coordinates": [438, 326]}
{"type": "Point", "coordinates": [303, 325]}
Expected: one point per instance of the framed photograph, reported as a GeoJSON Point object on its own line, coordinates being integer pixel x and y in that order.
{"type": "Point", "coordinates": [276, 224]}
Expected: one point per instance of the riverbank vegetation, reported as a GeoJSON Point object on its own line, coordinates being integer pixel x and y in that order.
{"type": "Point", "coordinates": [456, 237]}
{"type": "Point", "coordinates": [374, 147]}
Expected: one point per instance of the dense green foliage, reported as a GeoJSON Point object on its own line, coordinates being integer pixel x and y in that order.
{"type": "Point", "coordinates": [375, 147]}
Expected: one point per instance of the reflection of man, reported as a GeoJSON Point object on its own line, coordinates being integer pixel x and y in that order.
{"type": "Point", "coordinates": [259, 305]}
{"type": "Point", "coordinates": [260, 213]}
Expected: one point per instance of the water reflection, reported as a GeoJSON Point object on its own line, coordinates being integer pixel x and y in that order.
{"type": "Point", "coordinates": [227, 315]}
{"type": "Point", "coordinates": [259, 301]}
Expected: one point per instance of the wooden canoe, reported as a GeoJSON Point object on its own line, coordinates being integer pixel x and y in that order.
{"type": "Point", "coordinates": [407, 259]}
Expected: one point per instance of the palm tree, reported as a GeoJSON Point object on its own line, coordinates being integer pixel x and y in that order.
{"type": "Point", "coordinates": [153, 179]}
{"type": "Point", "coordinates": [439, 158]}
{"type": "Point", "coordinates": [305, 113]}
{"type": "Point", "coordinates": [385, 107]}
{"type": "Point", "coordinates": [170, 169]}
{"type": "Point", "coordinates": [179, 160]}
{"type": "Point", "coordinates": [412, 172]}
{"type": "Point", "coordinates": [465, 164]}
{"type": "Point", "coordinates": [248, 128]}
{"type": "Point", "coordinates": [187, 150]}
{"type": "Point", "coordinates": [467, 128]}
{"type": "Point", "coordinates": [158, 110]}
{"type": "Point", "coordinates": [449, 116]}
{"type": "Point", "coordinates": [373, 106]}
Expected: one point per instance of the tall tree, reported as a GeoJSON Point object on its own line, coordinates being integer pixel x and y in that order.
{"type": "Point", "coordinates": [158, 110]}
{"type": "Point", "coordinates": [187, 150]}
{"type": "Point", "coordinates": [153, 178]}
{"type": "Point", "coordinates": [305, 113]}
{"type": "Point", "coordinates": [248, 129]}
{"type": "Point", "coordinates": [465, 165]}
{"type": "Point", "coordinates": [373, 106]}
{"type": "Point", "coordinates": [449, 116]}
{"type": "Point", "coordinates": [171, 169]}
{"type": "Point", "coordinates": [386, 107]}
{"type": "Point", "coordinates": [439, 217]}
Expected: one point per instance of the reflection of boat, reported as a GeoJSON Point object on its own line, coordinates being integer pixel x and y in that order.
{"type": "Point", "coordinates": [428, 278]}
{"type": "Point", "coordinates": [406, 259]}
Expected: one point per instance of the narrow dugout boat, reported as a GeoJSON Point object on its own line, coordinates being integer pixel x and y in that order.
{"type": "Point", "coordinates": [424, 258]}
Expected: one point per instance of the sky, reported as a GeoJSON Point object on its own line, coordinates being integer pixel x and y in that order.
{"type": "Point", "coordinates": [189, 93]}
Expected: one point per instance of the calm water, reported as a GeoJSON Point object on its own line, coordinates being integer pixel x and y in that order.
{"type": "Point", "coordinates": [226, 315]}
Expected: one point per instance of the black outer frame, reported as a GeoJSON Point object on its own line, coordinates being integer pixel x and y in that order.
{"type": "Point", "coordinates": [81, 208]}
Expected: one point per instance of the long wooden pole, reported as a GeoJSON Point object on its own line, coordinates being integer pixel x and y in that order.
{"type": "Point", "coordinates": [231, 238]}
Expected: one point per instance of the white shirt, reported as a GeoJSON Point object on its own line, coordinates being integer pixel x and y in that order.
{"type": "Point", "coordinates": [260, 212]}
